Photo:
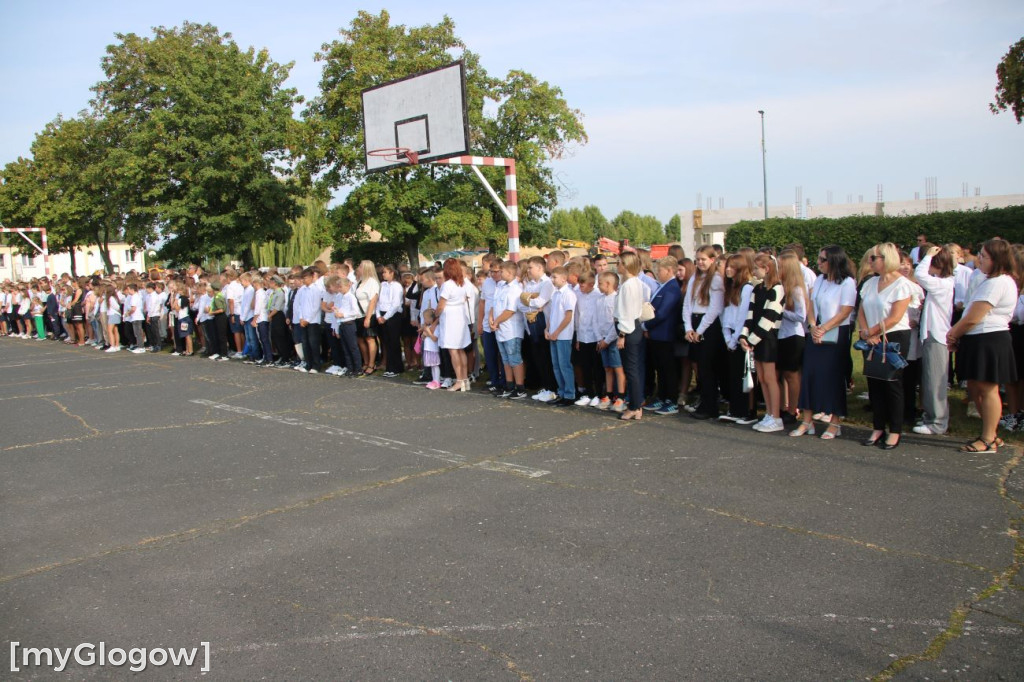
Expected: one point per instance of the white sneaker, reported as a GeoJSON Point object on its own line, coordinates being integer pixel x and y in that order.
{"type": "Point", "coordinates": [331, 370]}
{"type": "Point", "coordinates": [139, 350]}
{"type": "Point", "coordinates": [925, 429]}
{"type": "Point", "coordinates": [447, 383]}
{"type": "Point", "coordinates": [343, 371]}
{"type": "Point", "coordinates": [595, 401]}
{"type": "Point", "coordinates": [583, 401]}
{"type": "Point", "coordinates": [113, 349]}
{"type": "Point", "coordinates": [972, 410]}
{"type": "Point", "coordinates": [548, 395]}
{"type": "Point", "coordinates": [765, 421]}
{"type": "Point", "coordinates": [314, 371]}
{"type": "Point", "coordinates": [772, 426]}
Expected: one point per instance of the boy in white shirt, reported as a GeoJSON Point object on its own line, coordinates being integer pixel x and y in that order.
{"type": "Point", "coordinates": [608, 335]}
{"type": "Point", "coordinates": [135, 314]}
{"type": "Point", "coordinates": [246, 312]}
{"type": "Point", "coordinates": [154, 306]}
{"type": "Point", "coordinates": [558, 332]}
{"type": "Point", "coordinates": [507, 324]}
{"type": "Point", "coordinates": [587, 359]}
{"type": "Point", "coordinates": [346, 310]}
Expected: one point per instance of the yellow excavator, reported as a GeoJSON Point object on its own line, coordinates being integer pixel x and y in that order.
{"type": "Point", "coordinates": [572, 244]}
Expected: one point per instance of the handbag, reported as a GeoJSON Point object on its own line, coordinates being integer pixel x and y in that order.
{"type": "Point", "coordinates": [875, 364]}
{"type": "Point", "coordinates": [748, 373]}
{"type": "Point", "coordinates": [418, 346]}
{"type": "Point", "coordinates": [646, 312]}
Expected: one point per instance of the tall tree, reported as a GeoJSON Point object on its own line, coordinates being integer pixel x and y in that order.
{"type": "Point", "coordinates": [71, 187]}
{"type": "Point", "coordinates": [531, 123]}
{"type": "Point", "coordinates": [673, 228]}
{"type": "Point", "coordinates": [208, 131]}
{"type": "Point", "coordinates": [638, 229]}
{"type": "Point", "coordinates": [1010, 82]}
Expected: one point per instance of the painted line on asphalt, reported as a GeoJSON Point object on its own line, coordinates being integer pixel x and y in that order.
{"type": "Point", "coordinates": [389, 443]}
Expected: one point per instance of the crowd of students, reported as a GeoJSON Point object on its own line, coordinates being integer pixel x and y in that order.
{"type": "Point", "coordinates": [736, 329]}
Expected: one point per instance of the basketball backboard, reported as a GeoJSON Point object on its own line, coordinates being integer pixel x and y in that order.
{"type": "Point", "coordinates": [424, 112]}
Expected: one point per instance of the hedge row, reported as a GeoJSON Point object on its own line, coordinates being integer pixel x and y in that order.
{"type": "Point", "coordinates": [857, 234]}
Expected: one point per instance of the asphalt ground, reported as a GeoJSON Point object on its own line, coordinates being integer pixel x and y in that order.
{"type": "Point", "coordinates": [313, 527]}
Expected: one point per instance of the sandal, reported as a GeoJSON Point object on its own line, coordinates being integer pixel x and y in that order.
{"type": "Point", "coordinates": [830, 434]}
{"type": "Point", "coordinates": [804, 428]}
{"type": "Point", "coordinates": [370, 370]}
{"type": "Point", "coordinates": [971, 446]}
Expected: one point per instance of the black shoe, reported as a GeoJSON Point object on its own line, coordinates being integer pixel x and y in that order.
{"type": "Point", "coordinates": [505, 393]}
{"type": "Point", "coordinates": [701, 415]}
{"type": "Point", "coordinates": [566, 402]}
{"type": "Point", "coordinates": [892, 446]}
{"type": "Point", "coordinates": [554, 402]}
{"type": "Point", "coordinates": [868, 442]}
{"type": "Point", "coordinates": [519, 395]}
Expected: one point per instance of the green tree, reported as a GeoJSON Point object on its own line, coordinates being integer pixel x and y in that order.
{"type": "Point", "coordinates": [410, 205]}
{"type": "Point", "coordinates": [71, 186]}
{"type": "Point", "coordinates": [311, 234]}
{"type": "Point", "coordinates": [673, 228]}
{"type": "Point", "coordinates": [1010, 82]}
{"type": "Point", "coordinates": [638, 229]}
{"type": "Point", "coordinates": [208, 132]}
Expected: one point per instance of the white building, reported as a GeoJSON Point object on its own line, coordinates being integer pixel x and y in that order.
{"type": "Point", "coordinates": [705, 227]}
{"type": "Point", "coordinates": [22, 262]}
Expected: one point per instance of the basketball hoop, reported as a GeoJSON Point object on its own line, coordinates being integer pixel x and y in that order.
{"type": "Point", "coordinates": [396, 155]}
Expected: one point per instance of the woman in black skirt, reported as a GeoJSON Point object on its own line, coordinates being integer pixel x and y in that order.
{"type": "Point", "coordinates": [983, 336]}
{"type": "Point", "coordinates": [823, 388]}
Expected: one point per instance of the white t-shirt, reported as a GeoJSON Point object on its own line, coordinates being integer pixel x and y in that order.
{"type": "Point", "coordinates": [260, 305]}
{"type": "Point", "coordinates": [136, 302]}
{"type": "Point", "coordinates": [233, 292]}
{"type": "Point", "coordinates": [365, 292]}
{"type": "Point", "coordinates": [878, 304]}
{"type": "Point", "coordinates": [562, 301]}
{"type": "Point", "coordinates": [829, 297]}
{"type": "Point", "coordinates": [1002, 293]}
{"type": "Point", "coordinates": [506, 297]}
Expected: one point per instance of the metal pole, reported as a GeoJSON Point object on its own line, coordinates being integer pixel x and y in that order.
{"type": "Point", "coordinates": [764, 165]}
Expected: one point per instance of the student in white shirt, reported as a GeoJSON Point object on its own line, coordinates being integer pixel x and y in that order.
{"type": "Point", "coordinates": [485, 310]}
{"type": "Point", "coordinates": [136, 315]}
{"type": "Point", "coordinates": [247, 311]}
{"type": "Point", "coordinates": [346, 311]}
{"type": "Point", "coordinates": [537, 291]}
{"type": "Point", "coordinates": [233, 291]}
{"type": "Point", "coordinates": [558, 332]}
{"type": "Point", "coordinates": [263, 351]}
{"type": "Point", "coordinates": [154, 306]}
{"type": "Point", "coordinates": [508, 326]}
{"type": "Point", "coordinates": [628, 306]}
{"type": "Point", "coordinates": [935, 275]}
{"type": "Point", "coordinates": [390, 302]}
{"type": "Point", "coordinates": [737, 295]}
{"type": "Point", "coordinates": [791, 332]}
{"type": "Point", "coordinates": [588, 298]}
{"type": "Point", "coordinates": [702, 309]}
{"type": "Point", "coordinates": [984, 337]}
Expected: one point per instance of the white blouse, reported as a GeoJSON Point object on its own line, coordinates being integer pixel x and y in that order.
{"type": "Point", "coordinates": [877, 304]}
{"type": "Point", "coordinates": [1002, 293]}
{"type": "Point", "coordinates": [829, 297]}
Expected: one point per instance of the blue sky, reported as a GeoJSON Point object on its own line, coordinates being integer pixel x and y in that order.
{"type": "Point", "coordinates": [856, 94]}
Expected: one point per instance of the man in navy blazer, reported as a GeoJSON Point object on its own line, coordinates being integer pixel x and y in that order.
{"type": "Point", "coordinates": [661, 335]}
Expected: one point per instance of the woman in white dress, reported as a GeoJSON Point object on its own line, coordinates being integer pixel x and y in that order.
{"type": "Point", "coordinates": [453, 311]}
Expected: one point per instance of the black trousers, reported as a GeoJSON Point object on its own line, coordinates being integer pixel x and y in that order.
{"type": "Point", "coordinates": [311, 346]}
{"type": "Point", "coordinates": [887, 405]}
{"type": "Point", "coordinates": [540, 353]}
{"type": "Point", "coordinates": [591, 369]}
{"type": "Point", "coordinates": [735, 365]}
{"type": "Point", "coordinates": [661, 356]}
{"type": "Point", "coordinates": [633, 366]}
{"type": "Point", "coordinates": [391, 339]}
{"type": "Point", "coordinates": [281, 338]}
{"type": "Point", "coordinates": [220, 331]}
{"type": "Point", "coordinates": [710, 367]}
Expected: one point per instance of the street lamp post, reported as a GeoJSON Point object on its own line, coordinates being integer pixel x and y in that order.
{"type": "Point", "coordinates": [764, 166]}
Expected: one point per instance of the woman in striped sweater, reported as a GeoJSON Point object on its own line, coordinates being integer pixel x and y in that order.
{"type": "Point", "coordinates": [761, 336]}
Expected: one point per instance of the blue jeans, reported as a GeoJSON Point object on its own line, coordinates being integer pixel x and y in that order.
{"type": "Point", "coordinates": [561, 363]}
{"type": "Point", "coordinates": [492, 357]}
{"type": "Point", "coordinates": [252, 341]}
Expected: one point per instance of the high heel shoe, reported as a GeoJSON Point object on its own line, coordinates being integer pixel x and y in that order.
{"type": "Point", "coordinates": [830, 434]}
{"type": "Point", "coordinates": [804, 428]}
{"type": "Point", "coordinates": [893, 446]}
{"type": "Point", "coordinates": [868, 442]}
{"type": "Point", "coordinates": [631, 414]}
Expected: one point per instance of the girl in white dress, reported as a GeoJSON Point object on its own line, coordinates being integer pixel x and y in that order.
{"type": "Point", "coordinates": [453, 311]}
